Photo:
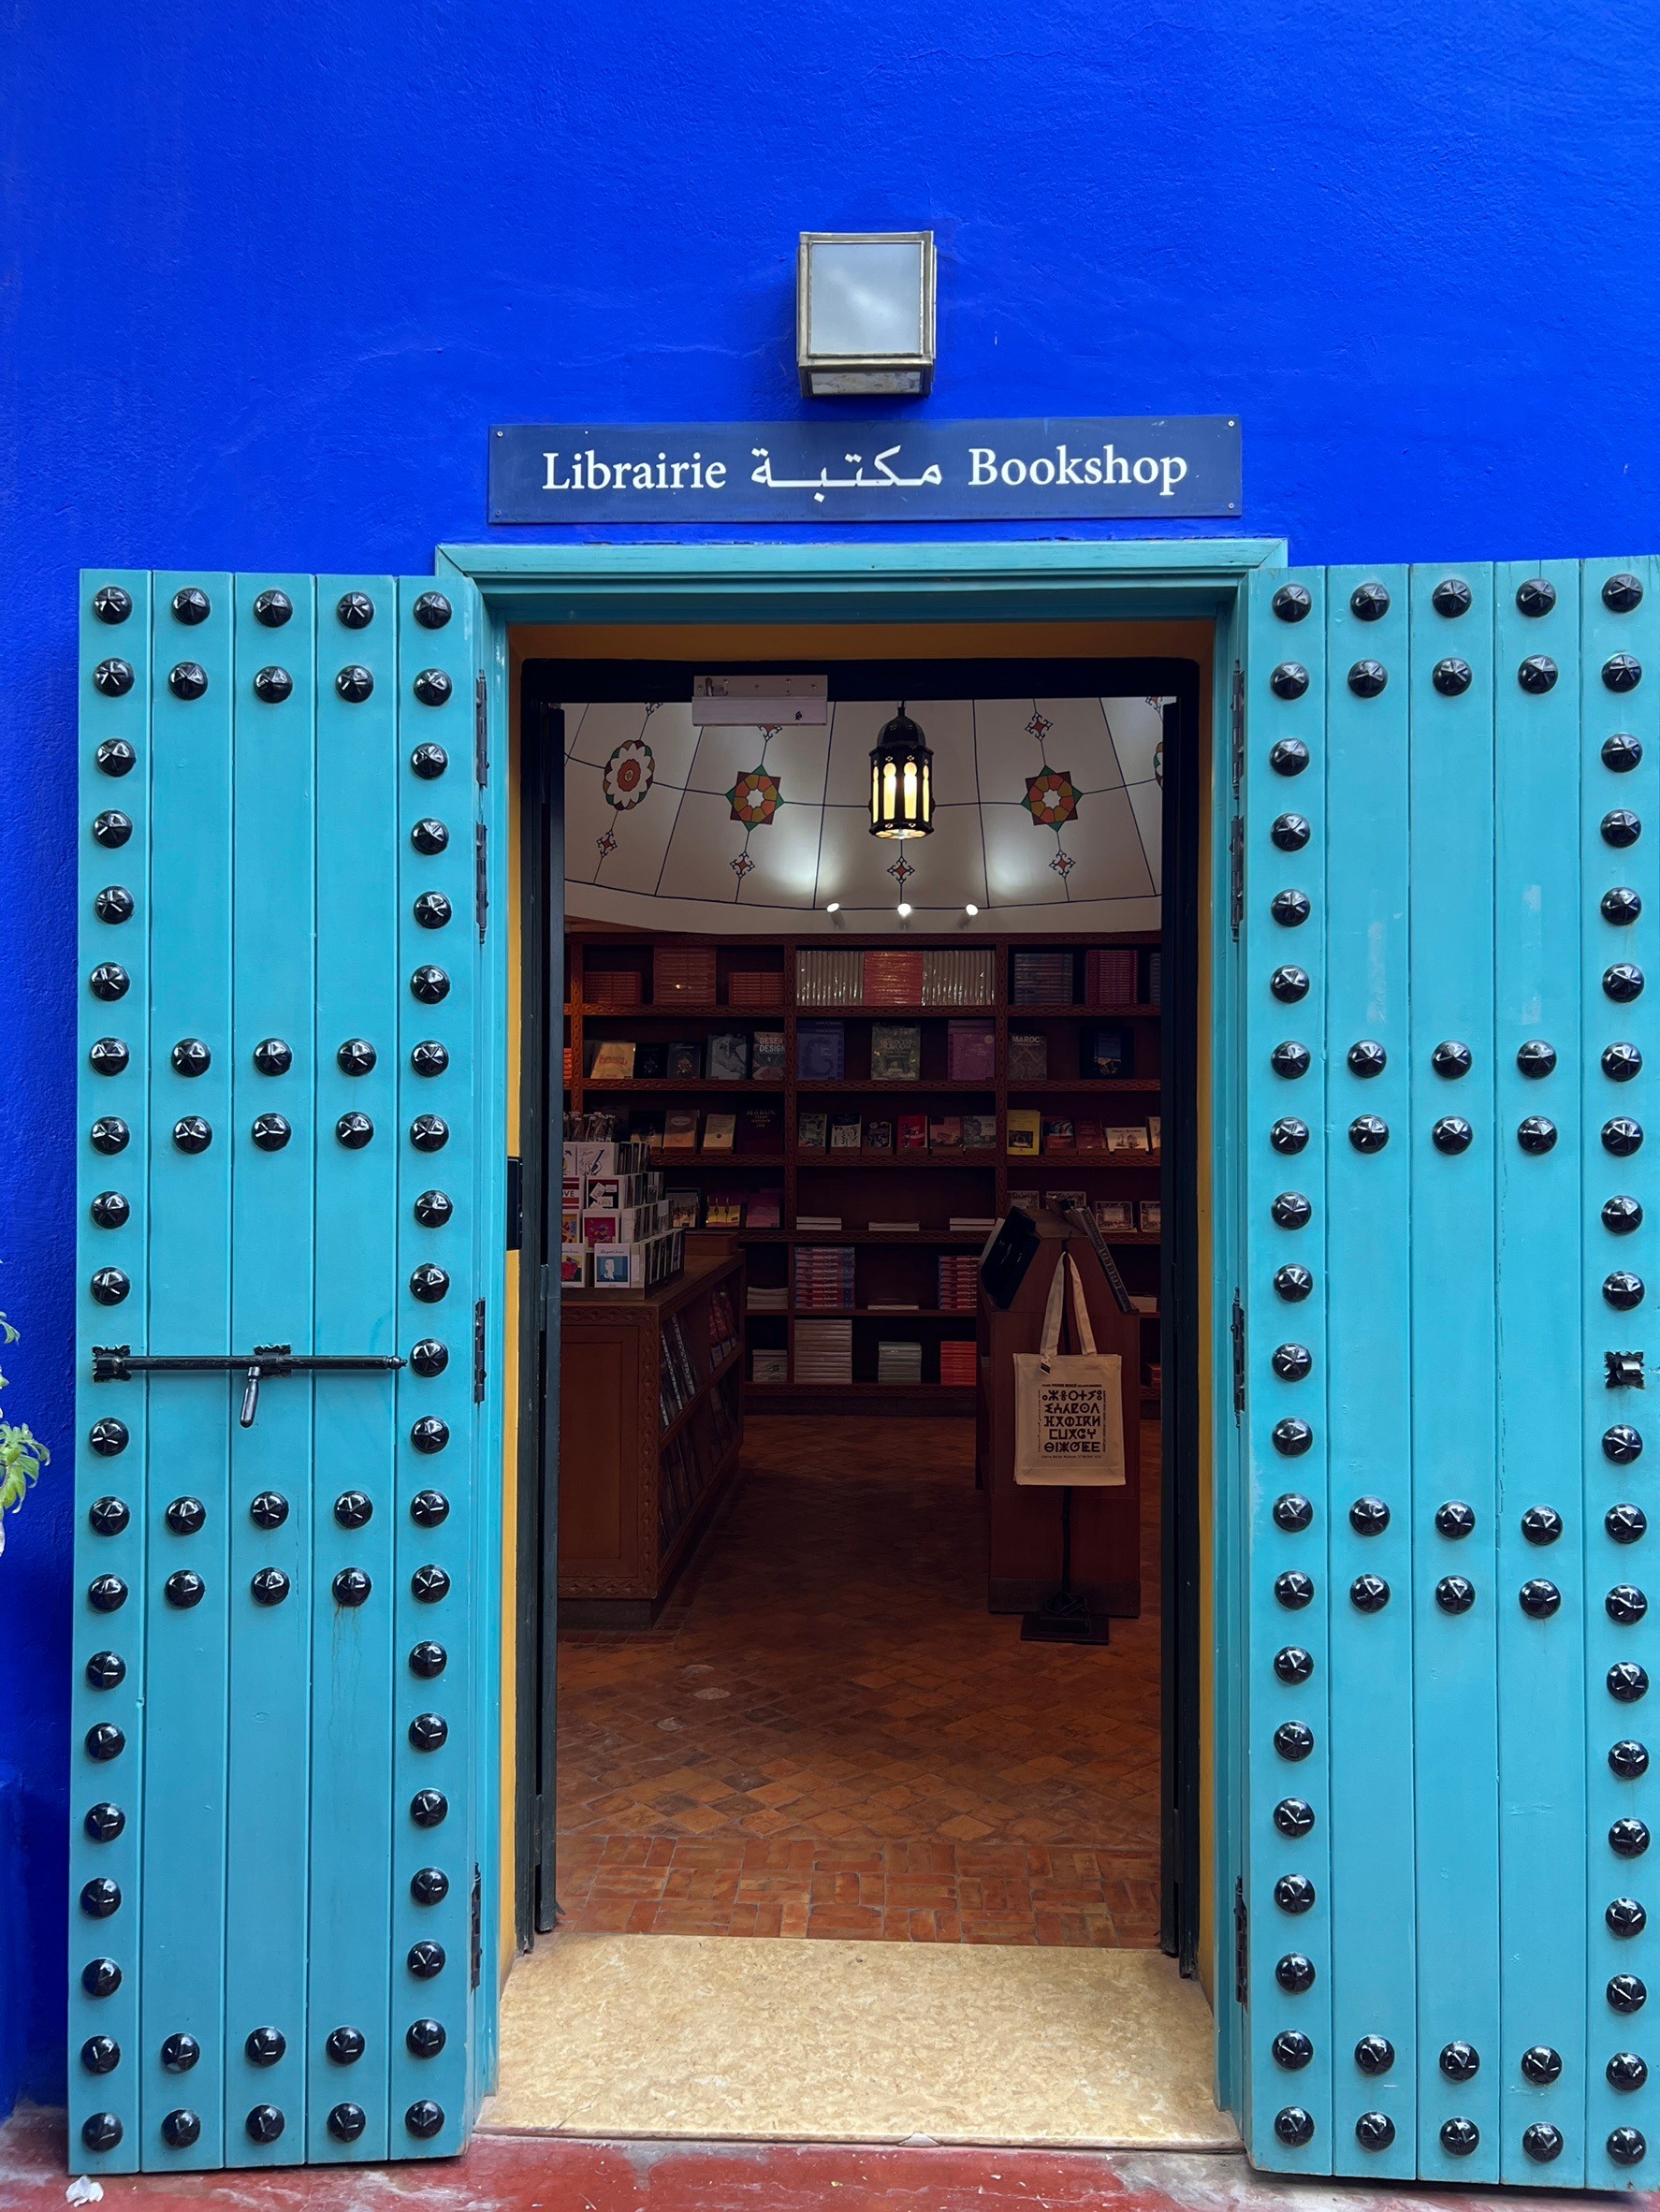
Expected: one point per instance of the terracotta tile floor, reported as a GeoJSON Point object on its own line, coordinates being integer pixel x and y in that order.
{"type": "Point", "coordinates": [828, 1735]}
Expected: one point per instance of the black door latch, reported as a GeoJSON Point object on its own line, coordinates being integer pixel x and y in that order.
{"type": "Point", "coordinates": [266, 1362]}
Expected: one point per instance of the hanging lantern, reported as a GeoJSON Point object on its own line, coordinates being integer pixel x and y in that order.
{"type": "Point", "coordinates": [901, 780]}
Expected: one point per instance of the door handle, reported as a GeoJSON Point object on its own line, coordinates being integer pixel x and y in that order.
{"type": "Point", "coordinates": [266, 1362]}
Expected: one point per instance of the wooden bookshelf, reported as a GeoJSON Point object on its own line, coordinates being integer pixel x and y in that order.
{"type": "Point", "coordinates": [861, 1186]}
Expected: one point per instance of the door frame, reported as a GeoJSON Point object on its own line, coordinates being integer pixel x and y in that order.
{"type": "Point", "coordinates": [935, 581]}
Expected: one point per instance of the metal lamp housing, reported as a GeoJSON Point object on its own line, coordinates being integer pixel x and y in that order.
{"type": "Point", "coordinates": [865, 313]}
{"type": "Point", "coordinates": [901, 781]}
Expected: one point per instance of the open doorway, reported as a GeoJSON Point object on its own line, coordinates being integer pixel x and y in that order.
{"type": "Point", "coordinates": [792, 1698]}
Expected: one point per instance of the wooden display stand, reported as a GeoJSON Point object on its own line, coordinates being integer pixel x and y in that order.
{"type": "Point", "coordinates": [635, 1493]}
{"type": "Point", "coordinates": [1023, 1525]}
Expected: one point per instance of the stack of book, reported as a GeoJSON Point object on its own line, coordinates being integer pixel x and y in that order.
{"type": "Point", "coordinates": [769, 1367]}
{"type": "Point", "coordinates": [767, 1297]}
{"type": "Point", "coordinates": [973, 1224]}
{"type": "Point", "coordinates": [959, 1282]}
{"type": "Point", "coordinates": [723, 1327]}
{"type": "Point", "coordinates": [819, 1225]}
{"type": "Point", "coordinates": [1110, 975]}
{"type": "Point", "coordinates": [824, 1277]}
{"type": "Point", "coordinates": [829, 977]}
{"type": "Point", "coordinates": [963, 975]}
{"type": "Point", "coordinates": [1040, 979]}
{"type": "Point", "coordinates": [899, 1362]}
{"type": "Point", "coordinates": [956, 1362]}
{"type": "Point", "coordinates": [894, 977]}
{"type": "Point", "coordinates": [755, 986]}
{"type": "Point", "coordinates": [970, 1051]}
{"type": "Point", "coordinates": [683, 974]}
{"type": "Point", "coordinates": [611, 986]}
{"type": "Point", "coordinates": [825, 1352]}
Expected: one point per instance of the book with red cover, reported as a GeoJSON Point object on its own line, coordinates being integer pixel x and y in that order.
{"type": "Point", "coordinates": [893, 977]}
{"type": "Point", "coordinates": [914, 1132]}
{"type": "Point", "coordinates": [945, 1133]}
{"type": "Point", "coordinates": [970, 1051]}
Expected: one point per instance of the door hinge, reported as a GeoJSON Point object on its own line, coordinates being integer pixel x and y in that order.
{"type": "Point", "coordinates": [1238, 729]}
{"type": "Point", "coordinates": [1239, 1357]}
{"type": "Point", "coordinates": [1242, 1946]}
{"type": "Point", "coordinates": [477, 1929]}
{"type": "Point", "coordinates": [1236, 874]}
{"type": "Point", "coordinates": [478, 1353]}
{"type": "Point", "coordinates": [481, 878]}
{"type": "Point", "coordinates": [481, 730]}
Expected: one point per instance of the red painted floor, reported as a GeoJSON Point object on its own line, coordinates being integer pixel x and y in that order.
{"type": "Point", "coordinates": [524, 2173]}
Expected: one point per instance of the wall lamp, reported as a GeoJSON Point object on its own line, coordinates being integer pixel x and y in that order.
{"type": "Point", "coordinates": [864, 312]}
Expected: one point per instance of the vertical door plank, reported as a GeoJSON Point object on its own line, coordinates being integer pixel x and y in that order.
{"type": "Point", "coordinates": [1454, 1598]}
{"type": "Point", "coordinates": [1542, 1268]}
{"type": "Point", "coordinates": [355, 1306]}
{"type": "Point", "coordinates": [1289, 2053]}
{"type": "Point", "coordinates": [272, 1202]}
{"type": "Point", "coordinates": [189, 1415]}
{"type": "Point", "coordinates": [106, 1803]}
{"type": "Point", "coordinates": [1621, 1800]}
{"type": "Point", "coordinates": [439, 1229]}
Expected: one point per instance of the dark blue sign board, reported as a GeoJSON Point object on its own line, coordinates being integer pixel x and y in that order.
{"type": "Point", "coordinates": [1114, 466]}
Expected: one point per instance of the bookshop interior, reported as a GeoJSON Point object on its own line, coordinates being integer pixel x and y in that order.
{"type": "Point", "coordinates": [876, 1403]}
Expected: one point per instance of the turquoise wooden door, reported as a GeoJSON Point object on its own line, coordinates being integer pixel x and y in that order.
{"type": "Point", "coordinates": [281, 1789]}
{"type": "Point", "coordinates": [1449, 901]}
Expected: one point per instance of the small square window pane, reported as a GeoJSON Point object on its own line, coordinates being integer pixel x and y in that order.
{"type": "Point", "coordinates": [866, 296]}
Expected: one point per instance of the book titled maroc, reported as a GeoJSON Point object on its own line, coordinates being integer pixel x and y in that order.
{"type": "Point", "coordinates": [896, 1052]}
{"type": "Point", "coordinates": [1028, 1056]}
{"type": "Point", "coordinates": [1023, 1125]}
{"type": "Point", "coordinates": [680, 1130]}
{"type": "Point", "coordinates": [914, 1132]}
{"type": "Point", "coordinates": [719, 1130]}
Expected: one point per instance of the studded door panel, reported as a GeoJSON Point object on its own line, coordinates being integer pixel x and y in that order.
{"type": "Point", "coordinates": [1450, 898]}
{"type": "Point", "coordinates": [283, 1061]}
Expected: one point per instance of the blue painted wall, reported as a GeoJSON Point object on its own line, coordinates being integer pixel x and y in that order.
{"type": "Point", "coordinates": [267, 274]}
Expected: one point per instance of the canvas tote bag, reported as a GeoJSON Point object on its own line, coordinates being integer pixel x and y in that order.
{"type": "Point", "coordinates": [1068, 1407]}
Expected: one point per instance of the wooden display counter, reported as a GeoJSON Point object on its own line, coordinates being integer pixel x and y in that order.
{"type": "Point", "coordinates": [650, 1425]}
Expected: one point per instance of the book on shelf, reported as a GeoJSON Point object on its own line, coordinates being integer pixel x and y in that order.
{"type": "Point", "coordinates": [684, 1063]}
{"type": "Point", "coordinates": [1023, 1128]}
{"type": "Point", "coordinates": [719, 1130]}
{"type": "Point", "coordinates": [818, 1224]}
{"type": "Point", "coordinates": [1110, 975]}
{"type": "Point", "coordinates": [760, 1129]}
{"type": "Point", "coordinates": [646, 1128]}
{"type": "Point", "coordinates": [945, 1132]}
{"type": "Point", "coordinates": [914, 1132]}
{"type": "Point", "coordinates": [769, 1367]}
{"type": "Point", "coordinates": [683, 972]}
{"type": "Point", "coordinates": [980, 1133]}
{"type": "Point", "coordinates": [611, 986]}
{"type": "Point", "coordinates": [767, 1298]}
{"type": "Point", "coordinates": [755, 986]}
{"type": "Point", "coordinates": [1130, 1138]}
{"type": "Point", "coordinates": [1091, 1136]}
{"type": "Point", "coordinates": [1104, 1052]}
{"type": "Point", "coordinates": [729, 1058]}
{"type": "Point", "coordinates": [679, 1129]}
{"type": "Point", "coordinates": [960, 975]}
{"type": "Point", "coordinates": [1150, 1215]}
{"type": "Point", "coordinates": [1039, 978]}
{"type": "Point", "coordinates": [1059, 1133]}
{"type": "Point", "coordinates": [1028, 1056]}
{"type": "Point", "coordinates": [1061, 1201]}
{"type": "Point", "coordinates": [829, 976]}
{"type": "Point", "coordinates": [896, 1052]}
{"type": "Point", "coordinates": [1155, 1132]}
{"type": "Point", "coordinates": [766, 1055]}
{"type": "Point", "coordinates": [970, 1051]}
{"type": "Point", "coordinates": [1155, 979]}
{"type": "Point", "coordinates": [845, 1132]}
{"type": "Point", "coordinates": [651, 1062]}
{"type": "Point", "coordinates": [878, 1136]}
{"type": "Point", "coordinates": [899, 1362]}
{"type": "Point", "coordinates": [974, 1224]}
{"type": "Point", "coordinates": [810, 1131]}
{"type": "Point", "coordinates": [894, 977]}
{"type": "Point", "coordinates": [1029, 1201]}
{"type": "Point", "coordinates": [1114, 1217]}
{"type": "Point", "coordinates": [821, 1050]}
{"type": "Point", "coordinates": [892, 1305]}
{"type": "Point", "coordinates": [724, 1209]}
{"type": "Point", "coordinates": [957, 1362]}
{"type": "Point", "coordinates": [763, 1209]}
{"type": "Point", "coordinates": [683, 1207]}
{"type": "Point", "coordinates": [893, 1229]}
{"type": "Point", "coordinates": [613, 1061]}
{"type": "Point", "coordinates": [825, 1352]}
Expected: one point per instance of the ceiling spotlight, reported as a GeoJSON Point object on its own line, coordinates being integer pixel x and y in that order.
{"type": "Point", "coordinates": [971, 909]}
{"type": "Point", "coordinates": [904, 911]}
{"type": "Point", "coordinates": [834, 908]}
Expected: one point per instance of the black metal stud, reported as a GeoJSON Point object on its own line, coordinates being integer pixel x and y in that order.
{"type": "Point", "coordinates": [1537, 1134]}
{"type": "Point", "coordinates": [190, 1057]}
{"type": "Point", "coordinates": [428, 1132]}
{"type": "Point", "coordinates": [184, 1588]}
{"type": "Point", "coordinates": [100, 1897]}
{"type": "Point", "coordinates": [353, 1131]}
{"type": "Point", "coordinates": [1368, 1593]}
{"type": "Point", "coordinates": [1627, 2071]}
{"type": "Point", "coordinates": [1375, 2131]}
{"type": "Point", "coordinates": [1621, 592]}
{"type": "Point", "coordinates": [113, 679]}
{"type": "Point", "coordinates": [272, 685]}
{"type": "Point", "coordinates": [344, 2046]}
{"type": "Point", "coordinates": [429, 1357]}
{"type": "Point", "coordinates": [1541, 1524]}
{"type": "Point", "coordinates": [1294, 1817]}
{"type": "Point", "coordinates": [1621, 1136]}
{"type": "Point", "coordinates": [429, 985]}
{"type": "Point", "coordinates": [110, 1134]}
{"type": "Point", "coordinates": [1293, 1664]}
{"type": "Point", "coordinates": [188, 680]}
{"type": "Point", "coordinates": [114, 903]}
{"type": "Point", "coordinates": [1451, 677]}
{"type": "Point", "coordinates": [428, 1585]}
{"type": "Point", "coordinates": [429, 1508]}
{"type": "Point", "coordinates": [1451, 1134]}
{"type": "Point", "coordinates": [1291, 603]}
{"type": "Point", "coordinates": [264, 2124]}
{"type": "Point", "coordinates": [109, 1517]}
{"type": "Point", "coordinates": [1455, 1593]}
{"type": "Point", "coordinates": [100, 2054]}
{"type": "Point", "coordinates": [271, 1131]}
{"type": "Point", "coordinates": [1452, 1059]}
{"type": "Point", "coordinates": [269, 1509]}
{"type": "Point", "coordinates": [1290, 1059]}
{"type": "Point", "coordinates": [1367, 1058]}
{"type": "Point", "coordinates": [425, 1961]}
{"type": "Point", "coordinates": [1621, 906]}
{"type": "Point", "coordinates": [432, 687]}
{"type": "Point", "coordinates": [1450, 597]}
{"type": "Point", "coordinates": [431, 610]}
{"type": "Point", "coordinates": [110, 1286]}
{"type": "Point", "coordinates": [104, 1741]}
{"type": "Point", "coordinates": [430, 834]}
{"type": "Point", "coordinates": [1293, 1740]}
{"type": "Point", "coordinates": [110, 1209]}
{"type": "Point", "coordinates": [1626, 1524]}
{"type": "Point", "coordinates": [353, 1509]}
{"type": "Point", "coordinates": [106, 1593]}
{"type": "Point", "coordinates": [192, 1133]}
{"type": "Point", "coordinates": [423, 2039]}
{"type": "Point", "coordinates": [1620, 828]}
{"type": "Point", "coordinates": [1623, 1290]}
{"type": "Point", "coordinates": [109, 1438]}
{"type": "Point", "coordinates": [424, 2117]}
{"type": "Point", "coordinates": [1459, 2061]}
{"type": "Point", "coordinates": [1621, 1214]}
{"type": "Point", "coordinates": [429, 1808]}
{"type": "Point", "coordinates": [1294, 1973]}
{"type": "Point", "coordinates": [1293, 2126]}
{"type": "Point", "coordinates": [354, 610]}
{"type": "Point", "coordinates": [354, 683]}
{"type": "Point", "coordinates": [109, 981]}
{"type": "Point", "coordinates": [1628, 1758]}
{"type": "Point", "coordinates": [100, 2130]}
{"type": "Point", "coordinates": [1290, 909]}
{"type": "Point", "coordinates": [187, 1517]}
{"type": "Point", "coordinates": [1291, 1210]}
{"type": "Point", "coordinates": [429, 1434]}
{"type": "Point", "coordinates": [272, 609]}
{"type": "Point", "coordinates": [1628, 1993]}
{"type": "Point", "coordinates": [1369, 603]}
{"type": "Point", "coordinates": [428, 1732]}
{"type": "Point", "coordinates": [190, 606]}
{"type": "Point", "coordinates": [429, 1886]}
{"type": "Point", "coordinates": [1291, 1438]}
{"type": "Point", "coordinates": [1622, 752]}
{"type": "Point", "coordinates": [1621, 671]}
{"type": "Point", "coordinates": [433, 910]}
{"type": "Point", "coordinates": [269, 1586]}
{"type": "Point", "coordinates": [428, 1284]}
{"type": "Point", "coordinates": [1459, 2136]}
{"type": "Point", "coordinates": [429, 1058]}
{"type": "Point", "coordinates": [1374, 2054]}
{"type": "Point", "coordinates": [357, 1057]}
{"type": "Point", "coordinates": [1539, 1599]}
{"type": "Point", "coordinates": [428, 1660]}
{"type": "Point", "coordinates": [273, 1056]}
{"type": "Point", "coordinates": [1288, 1135]}
{"type": "Point", "coordinates": [1293, 1361]}
{"type": "Point", "coordinates": [1368, 1133]}
{"type": "Point", "coordinates": [1367, 679]}
{"type": "Point", "coordinates": [351, 1587]}
{"type": "Point", "coordinates": [1627, 1681]}
{"type": "Point", "coordinates": [104, 1821]}
{"type": "Point", "coordinates": [428, 762]}
{"type": "Point", "coordinates": [1292, 1512]}
{"type": "Point", "coordinates": [1541, 2141]}
{"type": "Point", "coordinates": [1290, 831]}
{"type": "Point", "coordinates": [112, 828]}
{"type": "Point", "coordinates": [1541, 2065]}
{"type": "Point", "coordinates": [180, 2053]}
{"type": "Point", "coordinates": [1626, 1605]}
{"type": "Point", "coordinates": [1536, 1058]}
{"type": "Point", "coordinates": [113, 602]}
{"type": "Point", "coordinates": [1289, 681]}
{"type": "Point", "coordinates": [265, 2047]}
{"type": "Point", "coordinates": [1622, 1444]}
{"type": "Point", "coordinates": [1368, 1516]}
{"type": "Point", "coordinates": [1288, 756]}
{"type": "Point", "coordinates": [1537, 673]}
{"type": "Point", "coordinates": [107, 1055]}
{"type": "Point", "coordinates": [1627, 2146]}
{"type": "Point", "coordinates": [346, 2122]}
{"type": "Point", "coordinates": [1538, 597]}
